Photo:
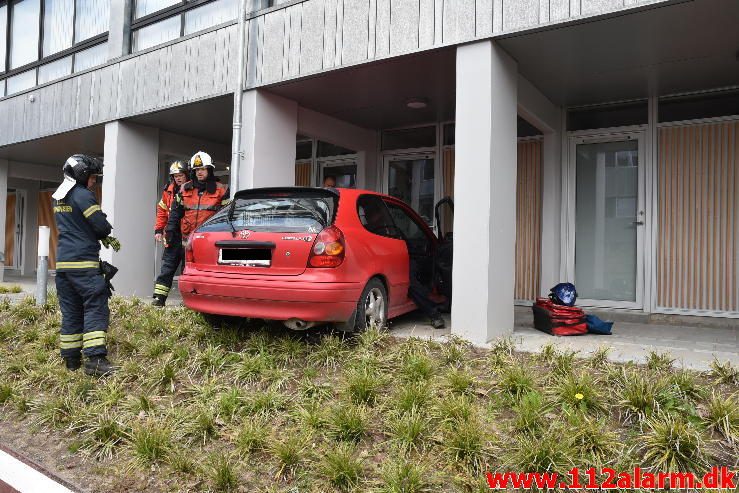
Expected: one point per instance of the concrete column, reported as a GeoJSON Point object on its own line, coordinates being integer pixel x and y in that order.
{"type": "Point", "coordinates": [269, 128]}
{"type": "Point", "coordinates": [129, 197]}
{"type": "Point", "coordinates": [119, 34]}
{"type": "Point", "coordinates": [485, 193]}
{"type": "Point", "coordinates": [3, 205]}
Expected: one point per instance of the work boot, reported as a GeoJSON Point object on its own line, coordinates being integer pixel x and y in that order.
{"type": "Point", "coordinates": [437, 322]}
{"type": "Point", "coordinates": [73, 363]}
{"type": "Point", "coordinates": [159, 300]}
{"type": "Point", "coordinates": [98, 366]}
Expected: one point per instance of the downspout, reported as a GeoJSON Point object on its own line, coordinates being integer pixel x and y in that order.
{"type": "Point", "coordinates": [238, 94]}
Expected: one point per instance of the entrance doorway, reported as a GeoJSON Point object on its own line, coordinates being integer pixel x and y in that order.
{"type": "Point", "coordinates": [343, 170]}
{"type": "Point", "coordinates": [606, 213]}
{"type": "Point", "coordinates": [14, 213]}
{"type": "Point", "coordinates": [412, 179]}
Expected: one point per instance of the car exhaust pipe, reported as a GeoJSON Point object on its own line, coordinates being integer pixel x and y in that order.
{"type": "Point", "coordinates": [298, 324]}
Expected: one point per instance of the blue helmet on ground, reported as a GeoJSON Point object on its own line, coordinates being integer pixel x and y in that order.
{"type": "Point", "coordinates": [563, 293]}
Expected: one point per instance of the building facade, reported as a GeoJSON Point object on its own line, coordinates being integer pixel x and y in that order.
{"type": "Point", "coordinates": [594, 141]}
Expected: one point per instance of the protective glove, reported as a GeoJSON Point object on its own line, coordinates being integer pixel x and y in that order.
{"type": "Point", "coordinates": [111, 242]}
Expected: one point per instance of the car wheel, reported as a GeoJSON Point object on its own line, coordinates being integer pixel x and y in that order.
{"type": "Point", "coordinates": [372, 306]}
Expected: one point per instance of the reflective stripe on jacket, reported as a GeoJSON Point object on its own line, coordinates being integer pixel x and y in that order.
{"type": "Point", "coordinates": [191, 208]}
{"type": "Point", "coordinates": [163, 207]}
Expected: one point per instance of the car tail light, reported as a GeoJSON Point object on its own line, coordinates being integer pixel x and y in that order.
{"type": "Point", "coordinates": [189, 253]}
{"type": "Point", "coordinates": [328, 248]}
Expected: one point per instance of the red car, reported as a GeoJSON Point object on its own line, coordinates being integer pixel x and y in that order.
{"type": "Point", "coordinates": [307, 256]}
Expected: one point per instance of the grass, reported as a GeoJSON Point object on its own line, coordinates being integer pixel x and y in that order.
{"type": "Point", "coordinates": [263, 409]}
{"type": "Point", "coordinates": [14, 289]}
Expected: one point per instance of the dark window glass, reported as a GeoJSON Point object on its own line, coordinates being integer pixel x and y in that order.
{"type": "Point", "coordinates": [409, 138]}
{"type": "Point", "coordinates": [525, 129]}
{"type": "Point", "coordinates": [725, 103]}
{"type": "Point", "coordinates": [375, 217]}
{"type": "Point", "coordinates": [413, 233]}
{"type": "Point", "coordinates": [304, 150]}
{"type": "Point", "coordinates": [24, 32]}
{"type": "Point", "coordinates": [619, 115]}
{"type": "Point", "coordinates": [448, 138]}
{"type": "Point", "coordinates": [326, 150]}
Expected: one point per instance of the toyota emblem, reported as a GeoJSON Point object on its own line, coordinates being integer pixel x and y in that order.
{"type": "Point", "coordinates": [244, 234]}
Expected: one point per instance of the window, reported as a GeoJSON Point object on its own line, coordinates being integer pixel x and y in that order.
{"type": "Point", "coordinates": [3, 38]}
{"type": "Point", "coordinates": [325, 149]}
{"type": "Point", "coordinates": [90, 57]}
{"type": "Point", "coordinates": [44, 40]}
{"type": "Point", "coordinates": [156, 33]}
{"type": "Point", "coordinates": [2, 88]}
{"type": "Point", "coordinates": [58, 26]}
{"type": "Point", "coordinates": [92, 17]}
{"type": "Point", "coordinates": [615, 115]}
{"type": "Point", "coordinates": [146, 7]}
{"type": "Point", "coordinates": [24, 32]}
{"type": "Point", "coordinates": [375, 217]}
{"type": "Point", "coordinates": [697, 106]}
{"type": "Point", "coordinates": [409, 138]}
{"type": "Point", "coordinates": [419, 244]}
{"type": "Point", "coordinates": [210, 15]}
{"type": "Point", "coordinates": [180, 18]}
{"type": "Point", "coordinates": [21, 82]}
{"type": "Point", "coordinates": [54, 70]}
{"type": "Point", "coordinates": [303, 150]}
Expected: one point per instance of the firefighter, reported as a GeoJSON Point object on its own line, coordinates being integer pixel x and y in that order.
{"type": "Point", "coordinates": [173, 252]}
{"type": "Point", "coordinates": [198, 199]}
{"type": "Point", "coordinates": [81, 287]}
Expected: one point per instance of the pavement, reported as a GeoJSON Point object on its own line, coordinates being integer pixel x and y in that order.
{"type": "Point", "coordinates": [694, 342]}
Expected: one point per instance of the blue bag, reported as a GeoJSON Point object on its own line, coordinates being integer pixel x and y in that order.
{"type": "Point", "coordinates": [598, 326]}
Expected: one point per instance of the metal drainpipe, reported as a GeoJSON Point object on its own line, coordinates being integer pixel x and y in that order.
{"type": "Point", "coordinates": [238, 93]}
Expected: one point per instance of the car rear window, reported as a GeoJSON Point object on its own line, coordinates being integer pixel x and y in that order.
{"type": "Point", "coordinates": [300, 211]}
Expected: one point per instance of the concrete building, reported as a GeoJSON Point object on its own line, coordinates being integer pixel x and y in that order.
{"type": "Point", "coordinates": [595, 141]}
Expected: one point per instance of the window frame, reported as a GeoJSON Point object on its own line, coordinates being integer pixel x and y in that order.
{"type": "Point", "coordinates": [177, 9]}
{"type": "Point", "coordinates": [72, 50]}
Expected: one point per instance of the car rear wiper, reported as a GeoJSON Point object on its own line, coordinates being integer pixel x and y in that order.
{"type": "Point", "coordinates": [313, 214]}
{"type": "Point", "coordinates": [229, 217]}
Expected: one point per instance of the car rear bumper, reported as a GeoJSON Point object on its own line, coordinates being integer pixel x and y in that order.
{"type": "Point", "coordinates": [270, 299]}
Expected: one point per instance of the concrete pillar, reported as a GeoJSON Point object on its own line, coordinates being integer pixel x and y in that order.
{"type": "Point", "coordinates": [3, 205]}
{"type": "Point", "coordinates": [130, 194]}
{"type": "Point", "coordinates": [119, 34]}
{"type": "Point", "coordinates": [485, 193]}
{"type": "Point", "coordinates": [269, 128]}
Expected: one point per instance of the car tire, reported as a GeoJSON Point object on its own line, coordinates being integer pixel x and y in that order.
{"type": "Point", "coordinates": [372, 306]}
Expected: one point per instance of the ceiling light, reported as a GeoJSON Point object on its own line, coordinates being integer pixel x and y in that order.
{"type": "Point", "coordinates": [417, 103]}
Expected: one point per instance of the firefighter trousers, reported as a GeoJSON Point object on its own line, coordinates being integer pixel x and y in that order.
{"type": "Point", "coordinates": [83, 299]}
{"type": "Point", "coordinates": [171, 260]}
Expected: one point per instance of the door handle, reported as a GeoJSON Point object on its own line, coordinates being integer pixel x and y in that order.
{"type": "Point", "coordinates": [638, 223]}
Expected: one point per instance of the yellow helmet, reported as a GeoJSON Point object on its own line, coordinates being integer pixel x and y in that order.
{"type": "Point", "coordinates": [201, 160]}
{"type": "Point", "coordinates": [177, 167]}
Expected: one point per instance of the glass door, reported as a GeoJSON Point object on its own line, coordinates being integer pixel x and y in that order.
{"type": "Point", "coordinates": [412, 179]}
{"type": "Point", "coordinates": [606, 219]}
{"type": "Point", "coordinates": [342, 171]}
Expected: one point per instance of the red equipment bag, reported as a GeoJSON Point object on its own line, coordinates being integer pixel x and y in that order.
{"type": "Point", "coordinates": [558, 320]}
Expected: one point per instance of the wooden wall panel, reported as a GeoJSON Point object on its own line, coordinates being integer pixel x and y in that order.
{"type": "Point", "coordinates": [528, 220]}
{"type": "Point", "coordinates": [698, 218]}
{"type": "Point", "coordinates": [302, 174]}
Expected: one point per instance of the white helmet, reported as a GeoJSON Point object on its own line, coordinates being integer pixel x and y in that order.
{"type": "Point", "coordinates": [201, 160]}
